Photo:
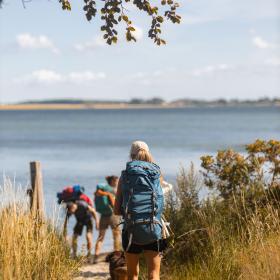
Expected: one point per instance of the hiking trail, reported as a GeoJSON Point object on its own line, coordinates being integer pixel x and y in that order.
{"type": "Point", "coordinates": [98, 271]}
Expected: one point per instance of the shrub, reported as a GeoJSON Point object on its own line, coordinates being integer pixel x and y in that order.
{"type": "Point", "coordinates": [235, 233]}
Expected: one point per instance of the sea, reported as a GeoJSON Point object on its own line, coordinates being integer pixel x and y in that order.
{"type": "Point", "coordinates": [83, 146]}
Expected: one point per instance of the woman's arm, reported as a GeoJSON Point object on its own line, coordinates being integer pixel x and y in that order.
{"type": "Point", "coordinates": [118, 201]}
{"type": "Point", "coordinates": [93, 212]}
{"type": "Point", "coordinates": [110, 196]}
{"type": "Point", "coordinates": [161, 180]}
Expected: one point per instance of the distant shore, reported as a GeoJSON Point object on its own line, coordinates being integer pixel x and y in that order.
{"type": "Point", "coordinates": [118, 106]}
{"type": "Point", "coordinates": [15, 107]}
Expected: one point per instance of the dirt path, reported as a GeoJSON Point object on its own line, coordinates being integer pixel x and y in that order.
{"type": "Point", "coordinates": [98, 271]}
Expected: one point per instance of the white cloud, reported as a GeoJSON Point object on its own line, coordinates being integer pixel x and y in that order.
{"type": "Point", "coordinates": [260, 43]}
{"type": "Point", "coordinates": [138, 33]}
{"type": "Point", "coordinates": [42, 76]}
{"type": "Point", "coordinates": [96, 42]}
{"type": "Point", "coordinates": [211, 69]}
{"type": "Point", "coordinates": [27, 41]}
{"type": "Point", "coordinates": [87, 76]}
{"type": "Point", "coordinates": [48, 77]}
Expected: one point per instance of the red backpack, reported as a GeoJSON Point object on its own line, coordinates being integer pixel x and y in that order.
{"type": "Point", "coordinates": [73, 193]}
{"type": "Point", "coordinates": [86, 199]}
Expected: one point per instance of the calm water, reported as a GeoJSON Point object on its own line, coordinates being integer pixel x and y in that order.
{"type": "Point", "coordinates": [81, 147]}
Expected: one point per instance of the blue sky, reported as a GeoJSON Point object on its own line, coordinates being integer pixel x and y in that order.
{"type": "Point", "coordinates": [222, 49]}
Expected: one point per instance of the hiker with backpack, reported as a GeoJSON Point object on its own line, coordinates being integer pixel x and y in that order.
{"type": "Point", "coordinates": [104, 203]}
{"type": "Point", "coordinates": [140, 201]}
{"type": "Point", "coordinates": [84, 214]}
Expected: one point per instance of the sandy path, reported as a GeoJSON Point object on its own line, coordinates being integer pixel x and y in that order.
{"type": "Point", "coordinates": [98, 271]}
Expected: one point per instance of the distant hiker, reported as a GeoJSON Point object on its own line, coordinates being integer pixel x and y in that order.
{"type": "Point", "coordinates": [84, 214]}
{"type": "Point", "coordinates": [104, 203]}
{"type": "Point", "coordinates": [140, 201]}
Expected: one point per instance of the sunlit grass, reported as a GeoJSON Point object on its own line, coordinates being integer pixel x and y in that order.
{"type": "Point", "coordinates": [238, 241]}
{"type": "Point", "coordinates": [28, 249]}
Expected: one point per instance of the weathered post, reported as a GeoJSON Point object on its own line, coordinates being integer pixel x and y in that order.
{"type": "Point", "coordinates": [36, 196]}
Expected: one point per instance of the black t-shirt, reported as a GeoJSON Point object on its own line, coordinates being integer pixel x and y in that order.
{"type": "Point", "coordinates": [82, 213]}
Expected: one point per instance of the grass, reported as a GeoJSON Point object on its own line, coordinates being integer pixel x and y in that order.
{"type": "Point", "coordinates": [236, 240]}
{"type": "Point", "coordinates": [28, 249]}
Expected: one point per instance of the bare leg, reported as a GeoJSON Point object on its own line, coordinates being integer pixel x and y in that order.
{"type": "Point", "coordinates": [89, 242]}
{"type": "Point", "coordinates": [132, 262]}
{"type": "Point", "coordinates": [75, 244]}
{"type": "Point", "coordinates": [153, 260]}
{"type": "Point", "coordinates": [99, 241]}
{"type": "Point", "coordinates": [117, 238]}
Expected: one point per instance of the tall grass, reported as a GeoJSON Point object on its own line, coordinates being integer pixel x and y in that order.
{"type": "Point", "coordinates": [29, 249]}
{"type": "Point", "coordinates": [222, 239]}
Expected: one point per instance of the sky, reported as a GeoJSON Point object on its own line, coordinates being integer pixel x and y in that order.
{"type": "Point", "coordinates": [222, 49]}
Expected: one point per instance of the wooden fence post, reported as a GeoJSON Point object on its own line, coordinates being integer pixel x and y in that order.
{"type": "Point", "coordinates": [37, 195]}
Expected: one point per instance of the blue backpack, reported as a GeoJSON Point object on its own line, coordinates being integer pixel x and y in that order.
{"type": "Point", "coordinates": [142, 203]}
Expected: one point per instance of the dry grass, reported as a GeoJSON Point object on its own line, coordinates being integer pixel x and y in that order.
{"type": "Point", "coordinates": [239, 241]}
{"type": "Point", "coordinates": [253, 255]}
{"type": "Point", "coordinates": [261, 260]}
{"type": "Point", "coordinates": [28, 249]}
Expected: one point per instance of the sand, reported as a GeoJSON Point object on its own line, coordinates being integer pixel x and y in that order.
{"type": "Point", "coordinates": [98, 271]}
{"type": "Point", "coordinates": [16, 107]}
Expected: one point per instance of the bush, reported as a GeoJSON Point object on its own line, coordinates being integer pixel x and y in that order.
{"type": "Point", "coordinates": [187, 221]}
{"type": "Point", "coordinates": [235, 233]}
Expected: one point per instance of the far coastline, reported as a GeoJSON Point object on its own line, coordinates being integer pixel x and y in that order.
{"type": "Point", "coordinates": [136, 103]}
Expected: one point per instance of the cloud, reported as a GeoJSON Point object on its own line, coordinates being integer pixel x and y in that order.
{"type": "Point", "coordinates": [86, 76]}
{"type": "Point", "coordinates": [42, 76]}
{"type": "Point", "coordinates": [98, 41]}
{"type": "Point", "coordinates": [211, 69]}
{"type": "Point", "coordinates": [27, 41]}
{"type": "Point", "coordinates": [48, 77]}
{"type": "Point", "coordinates": [260, 43]}
{"type": "Point", "coordinates": [90, 45]}
{"type": "Point", "coordinates": [141, 76]}
{"type": "Point", "coordinates": [138, 33]}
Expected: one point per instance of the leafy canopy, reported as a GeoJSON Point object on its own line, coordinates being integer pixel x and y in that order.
{"type": "Point", "coordinates": [113, 12]}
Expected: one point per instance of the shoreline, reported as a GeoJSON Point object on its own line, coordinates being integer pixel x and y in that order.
{"type": "Point", "coordinates": [118, 106]}
{"type": "Point", "coordinates": [65, 106]}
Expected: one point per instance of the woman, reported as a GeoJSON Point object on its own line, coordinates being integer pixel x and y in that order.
{"type": "Point", "coordinates": [139, 200]}
{"type": "Point", "coordinates": [108, 218]}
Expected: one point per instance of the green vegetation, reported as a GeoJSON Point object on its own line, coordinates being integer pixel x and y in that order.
{"type": "Point", "coordinates": [160, 101]}
{"type": "Point", "coordinates": [234, 233]}
{"type": "Point", "coordinates": [30, 249]}
{"type": "Point", "coordinates": [114, 12]}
